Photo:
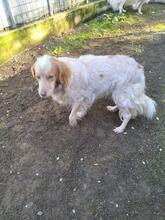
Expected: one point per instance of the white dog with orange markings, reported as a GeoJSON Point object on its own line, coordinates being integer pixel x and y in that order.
{"type": "Point", "coordinates": [78, 82]}
{"type": "Point", "coordinates": [118, 5]}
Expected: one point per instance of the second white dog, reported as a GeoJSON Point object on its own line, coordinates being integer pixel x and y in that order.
{"type": "Point", "coordinates": [118, 5]}
{"type": "Point", "coordinates": [78, 82]}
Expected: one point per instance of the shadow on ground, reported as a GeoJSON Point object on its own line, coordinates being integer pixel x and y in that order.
{"type": "Point", "coordinates": [51, 171]}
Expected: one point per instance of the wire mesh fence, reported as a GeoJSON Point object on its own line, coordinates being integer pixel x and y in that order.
{"type": "Point", "coordinates": [14, 13]}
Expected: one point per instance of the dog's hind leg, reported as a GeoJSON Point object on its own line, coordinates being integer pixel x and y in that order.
{"type": "Point", "coordinates": [140, 8]}
{"type": "Point", "coordinates": [122, 100]}
{"type": "Point", "coordinates": [112, 108]}
{"type": "Point", "coordinates": [121, 5]}
{"type": "Point", "coordinates": [121, 10]}
{"type": "Point", "coordinates": [126, 116]}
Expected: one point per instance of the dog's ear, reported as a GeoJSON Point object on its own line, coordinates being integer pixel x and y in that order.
{"type": "Point", "coordinates": [33, 71]}
{"type": "Point", "coordinates": [63, 73]}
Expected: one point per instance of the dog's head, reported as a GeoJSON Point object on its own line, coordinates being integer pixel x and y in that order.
{"type": "Point", "coordinates": [52, 75]}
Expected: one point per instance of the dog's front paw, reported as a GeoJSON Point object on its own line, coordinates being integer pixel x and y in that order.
{"type": "Point", "coordinates": [118, 130]}
{"type": "Point", "coordinates": [72, 121]}
{"type": "Point", "coordinates": [80, 114]}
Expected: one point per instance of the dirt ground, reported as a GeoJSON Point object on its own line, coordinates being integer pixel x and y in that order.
{"type": "Point", "coordinates": [51, 171]}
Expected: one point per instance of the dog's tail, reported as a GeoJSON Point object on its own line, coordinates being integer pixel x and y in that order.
{"type": "Point", "coordinates": [148, 105]}
{"type": "Point", "coordinates": [143, 105]}
{"type": "Point", "coordinates": [114, 4]}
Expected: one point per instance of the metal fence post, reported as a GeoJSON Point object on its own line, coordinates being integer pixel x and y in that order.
{"type": "Point", "coordinates": [8, 12]}
{"type": "Point", "coordinates": [49, 8]}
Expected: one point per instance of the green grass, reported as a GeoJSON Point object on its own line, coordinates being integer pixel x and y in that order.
{"type": "Point", "coordinates": [111, 24]}
{"type": "Point", "coordinates": [101, 26]}
{"type": "Point", "coordinates": [152, 12]}
{"type": "Point", "coordinates": [71, 43]}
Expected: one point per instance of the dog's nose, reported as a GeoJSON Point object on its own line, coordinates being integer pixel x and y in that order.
{"type": "Point", "coordinates": [43, 94]}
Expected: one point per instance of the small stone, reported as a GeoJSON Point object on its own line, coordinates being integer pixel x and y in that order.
{"type": "Point", "coordinates": [74, 211]}
{"type": "Point", "coordinates": [99, 181]}
{"type": "Point", "coordinates": [37, 174]}
{"type": "Point", "coordinates": [85, 186]}
{"type": "Point", "coordinates": [143, 162]}
{"type": "Point", "coordinates": [160, 149]}
{"type": "Point", "coordinates": [117, 205]}
{"type": "Point", "coordinates": [61, 179]}
{"type": "Point", "coordinates": [15, 59]}
{"type": "Point", "coordinates": [159, 77]}
{"type": "Point", "coordinates": [39, 213]}
{"type": "Point", "coordinates": [132, 128]}
{"type": "Point", "coordinates": [96, 164]}
{"type": "Point", "coordinates": [57, 158]}
{"type": "Point", "coordinates": [157, 118]}
{"type": "Point", "coordinates": [11, 171]}
{"type": "Point", "coordinates": [74, 190]}
{"type": "Point", "coordinates": [3, 146]}
{"type": "Point", "coordinates": [18, 173]}
{"type": "Point", "coordinates": [125, 133]}
{"type": "Point", "coordinates": [29, 205]}
{"type": "Point", "coordinates": [82, 159]}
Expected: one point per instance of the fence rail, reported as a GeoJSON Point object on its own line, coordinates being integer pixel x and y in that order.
{"type": "Point", "coordinates": [14, 13]}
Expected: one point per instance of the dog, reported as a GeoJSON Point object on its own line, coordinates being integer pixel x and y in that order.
{"type": "Point", "coordinates": [78, 82]}
{"type": "Point", "coordinates": [118, 5]}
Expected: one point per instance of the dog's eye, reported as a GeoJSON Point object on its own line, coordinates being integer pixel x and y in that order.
{"type": "Point", "coordinates": [50, 77]}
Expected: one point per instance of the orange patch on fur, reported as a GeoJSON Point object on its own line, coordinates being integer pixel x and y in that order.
{"type": "Point", "coordinates": [61, 72]}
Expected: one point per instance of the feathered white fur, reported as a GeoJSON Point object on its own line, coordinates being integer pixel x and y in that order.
{"type": "Point", "coordinates": [118, 5]}
{"type": "Point", "coordinates": [92, 77]}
